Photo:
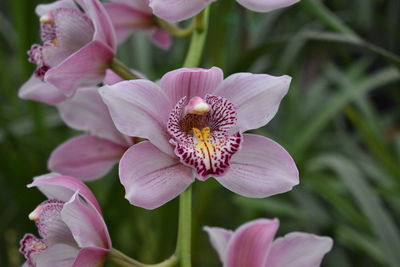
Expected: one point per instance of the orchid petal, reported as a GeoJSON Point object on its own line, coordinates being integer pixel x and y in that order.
{"type": "Point", "coordinates": [250, 243]}
{"type": "Point", "coordinates": [139, 108]}
{"type": "Point", "coordinates": [126, 19]}
{"type": "Point", "coordinates": [255, 96]}
{"type": "Point", "coordinates": [43, 9]}
{"type": "Point", "coordinates": [142, 5]}
{"type": "Point", "coordinates": [86, 111]}
{"type": "Point", "coordinates": [55, 186]}
{"type": "Point", "coordinates": [104, 31]}
{"type": "Point", "coordinates": [219, 238]}
{"type": "Point", "coordinates": [161, 38]}
{"type": "Point", "coordinates": [85, 67]}
{"type": "Point", "coordinates": [54, 55]}
{"type": "Point", "coordinates": [93, 257]}
{"type": "Point", "coordinates": [36, 89]}
{"type": "Point", "coordinates": [60, 255]}
{"type": "Point", "coordinates": [85, 157]}
{"type": "Point", "coordinates": [73, 28]}
{"type": "Point", "coordinates": [298, 250]}
{"type": "Point", "coordinates": [261, 168]}
{"type": "Point", "coordinates": [190, 82]}
{"type": "Point", "coordinates": [177, 10]}
{"type": "Point", "coordinates": [85, 222]}
{"type": "Point", "coordinates": [50, 226]}
{"type": "Point", "coordinates": [112, 78]}
{"type": "Point", "coordinates": [266, 6]}
{"type": "Point", "coordinates": [150, 177]}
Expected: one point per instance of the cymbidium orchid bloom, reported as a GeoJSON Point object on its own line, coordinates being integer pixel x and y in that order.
{"type": "Point", "coordinates": [252, 245]}
{"type": "Point", "coordinates": [194, 122]}
{"type": "Point", "coordinates": [128, 16]}
{"type": "Point", "coordinates": [70, 225]}
{"type": "Point", "coordinates": [89, 156]}
{"type": "Point", "coordinates": [177, 10]}
{"type": "Point", "coordinates": [76, 51]}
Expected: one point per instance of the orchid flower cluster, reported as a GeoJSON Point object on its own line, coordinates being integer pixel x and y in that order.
{"type": "Point", "coordinates": [188, 126]}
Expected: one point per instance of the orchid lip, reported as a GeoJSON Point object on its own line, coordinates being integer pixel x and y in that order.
{"type": "Point", "coordinates": [201, 134]}
{"type": "Point", "coordinates": [31, 245]}
{"type": "Point", "coordinates": [45, 216]}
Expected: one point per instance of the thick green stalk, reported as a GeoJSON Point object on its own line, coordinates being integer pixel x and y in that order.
{"type": "Point", "coordinates": [183, 247]}
{"type": "Point", "coordinates": [198, 39]}
{"type": "Point", "coordinates": [176, 30]}
{"type": "Point", "coordinates": [123, 260]}
{"type": "Point", "coordinates": [122, 70]}
{"type": "Point", "coordinates": [184, 239]}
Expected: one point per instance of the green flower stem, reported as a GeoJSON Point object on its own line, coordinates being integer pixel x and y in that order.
{"type": "Point", "coordinates": [183, 247]}
{"type": "Point", "coordinates": [198, 28]}
{"type": "Point", "coordinates": [176, 30]}
{"type": "Point", "coordinates": [122, 70]}
{"type": "Point", "coordinates": [184, 240]}
{"type": "Point", "coordinates": [198, 39]}
{"type": "Point", "coordinates": [123, 260]}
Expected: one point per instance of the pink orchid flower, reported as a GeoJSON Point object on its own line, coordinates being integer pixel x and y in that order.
{"type": "Point", "coordinates": [194, 123]}
{"type": "Point", "coordinates": [77, 49]}
{"type": "Point", "coordinates": [70, 225]}
{"type": "Point", "coordinates": [89, 156]}
{"type": "Point", "coordinates": [252, 245]}
{"type": "Point", "coordinates": [128, 16]}
{"type": "Point", "coordinates": [177, 10]}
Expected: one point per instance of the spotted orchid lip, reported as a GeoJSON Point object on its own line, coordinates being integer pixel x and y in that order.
{"type": "Point", "coordinates": [47, 217]}
{"type": "Point", "coordinates": [201, 134]}
{"type": "Point", "coordinates": [36, 57]}
{"type": "Point", "coordinates": [31, 246]}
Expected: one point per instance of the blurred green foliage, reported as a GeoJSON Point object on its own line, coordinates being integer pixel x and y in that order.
{"type": "Point", "coordinates": [340, 121]}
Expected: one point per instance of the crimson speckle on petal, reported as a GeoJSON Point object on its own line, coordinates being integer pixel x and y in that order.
{"type": "Point", "coordinates": [203, 141]}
